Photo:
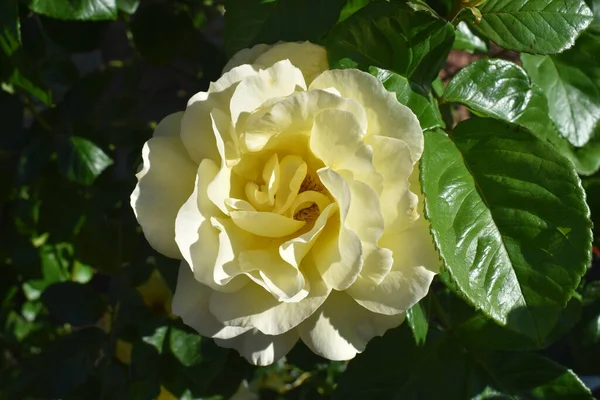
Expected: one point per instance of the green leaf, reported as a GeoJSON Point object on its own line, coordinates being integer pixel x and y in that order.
{"type": "Point", "coordinates": [250, 22]}
{"type": "Point", "coordinates": [394, 37]}
{"type": "Point", "coordinates": [417, 320]}
{"type": "Point", "coordinates": [502, 90]}
{"type": "Point", "coordinates": [128, 6]}
{"type": "Point", "coordinates": [185, 345]}
{"type": "Point", "coordinates": [76, 9]}
{"type": "Point", "coordinates": [427, 114]}
{"type": "Point", "coordinates": [508, 216]}
{"type": "Point", "coordinates": [533, 26]}
{"type": "Point", "coordinates": [80, 160]}
{"type": "Point", "coordinates": [392, 367]}
{"type": "Point", "coordinates": [10, 27]}
{"type": "Point", "coordinates": [468, 41]}
{"type": "Point", "coordinates": [571, 83]}
{"type": "Point", "coordinates": [73, 303]}
{"type": "Point", "coordinates": [20, 81]}
{"type": "Point", "coordinates": [497, 88]}
{"type": "Point", "coordinates": [351, 7]}
{"type": "Point", "coordinates": [595, 7]}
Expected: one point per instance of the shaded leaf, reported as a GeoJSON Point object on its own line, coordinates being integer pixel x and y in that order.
{"type": "Point", "coordinates": [10, 27]}
{"type": "Point", "coordinates": [80, 160]}
{"type": "Point", "coordinates": [533, 26]}
{"type": "Point", "coordinates": [73, 303]}
{"type": "Point", "coordinates": [250, 22]}
{"type": "Point", "coordinates": [508, 215]}
{"type": "Point", "coordinates": [392, 36]}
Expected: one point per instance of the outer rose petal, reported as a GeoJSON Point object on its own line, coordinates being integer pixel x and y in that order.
{"type": "Point", "coordinates": [255, 307]}
{"type": "Point", "coordinates": [386, 116]}
{"type": "Point", "coordinates": [190, 302]}
{"type": "Point", "coordinates": [261, 349]}
{"type": "Point", "coordinates": [310, 58]}
{"type": "Point", "coordinates": [164, 183]}
{"type": "Point", "coordinates": [246, 56]}
{"type": "Point", "coordinates": [341, 328]}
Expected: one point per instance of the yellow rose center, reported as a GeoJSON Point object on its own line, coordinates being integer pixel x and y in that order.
{"type": "Point", "coordinates": [286, 187]}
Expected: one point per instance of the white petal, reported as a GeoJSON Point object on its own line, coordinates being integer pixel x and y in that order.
{"type": "Point", "coordinates": [190, 302]}
{"type": "Point", "coordinates": [415, 264]}
{"type": "Point", "coordinates": [282, 79]}
{"type": "Point", "coordinates": [338, 252]}
{"type": "Point", "coordinates": [169, 125]}
{"type": "Point", "coordinates": [246, 56]}
{"type": "Point", "coordinates": [197, 132]}
{"type": "Point", "coordinates": [260, 349]}
{"type": "Point", "coordinates": [310, 58]}
{"type": "Point", "coordinates": [164, 183]}
{"type": "Point", "coordinates": [386, 116]}
{"type": "Point", "coordinates": [295, 115]}
{"type": "Point", "coordinates": [393, 162]}
{"type": "Point", "coordinates": [341, 328]}
{"type": "Point", "coordinates": [255, 307]}
{"type": "Point", "coordinates": [336, 139]}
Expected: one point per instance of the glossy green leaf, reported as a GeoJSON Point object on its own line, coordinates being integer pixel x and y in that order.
{"type": "Point", "coordinates": [80, 160]}
{"type": "Point", "coordinates": [533, 26]}
{"type": "Point", "coordinates": [497, 88]}
{"type": "Point", "coordinates": [73, 303]}
{"type": "Point", "coordinates": [395, 37]}
{"type": "Point", "coordinates": [428, 115]}
{"type": "Point", "coordinates": [392, 367]}
{"type": "Point", "coordinates": [468, 41]}
{"type": "Point", "coordinates": [76, 9]}
{"type": "Point", "coordinates": [571, 83]}
{"type": "Point", "coordinates": [508, 216]}
{"type": "Point", "coordinates": [10, 27]}
{"type": "Point", "coordinates": [586, 159]}
{"type": "Point", "coordinates": [417, 320]}
{"type": "Point", "coordinates": [250, 22]}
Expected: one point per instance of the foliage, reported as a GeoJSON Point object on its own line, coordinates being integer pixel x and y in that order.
{"type": "Point", "coordinates": [515, 312]}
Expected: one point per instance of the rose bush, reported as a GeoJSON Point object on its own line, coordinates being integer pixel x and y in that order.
{"type": "Point", "coordinates": [290, 192]}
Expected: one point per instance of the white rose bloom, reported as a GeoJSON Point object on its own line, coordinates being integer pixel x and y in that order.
{"type": "Point", "coordinates": [290, 192]}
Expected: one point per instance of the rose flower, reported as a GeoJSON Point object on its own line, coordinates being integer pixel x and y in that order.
{"type": "Point", "coordinates": [290, 192]}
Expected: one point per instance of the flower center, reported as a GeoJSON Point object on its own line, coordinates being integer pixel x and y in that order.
{"type": "Point", "coordinates": [287, 188]}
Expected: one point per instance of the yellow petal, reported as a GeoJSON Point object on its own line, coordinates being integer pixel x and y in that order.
{"type": "Point", "coordinates": [386, 116]}
{"type": "Point", "coordinates": [265, 224]}
{"type": "Point", "coordinates": [293, 171]}
{"type": "Point", "coordinates": [282, 79]}
{"type": "Point", "coordinates": [165, 181]}
{"type": "Point", "coordinates": [310, 58]}
{"type": "Point", "coordinates": [246, 56]}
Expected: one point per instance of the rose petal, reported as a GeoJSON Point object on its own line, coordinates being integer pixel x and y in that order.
{"type": "Point", "coordinates": [338, 251]}
{"type": "Point", "coordinates": [164, 183]}
{"type": "Point", "coordinates": [294, 115]}
{"type": "Point", "coordinates": [341, 328]}
{"type": "Point", "coordinates": [169, 125]}
{"type": "Point", "coordinates": [197, 125]}
{"type": "Point", "coordinates": [415, 264]}
{"type": "Point", "coordinates": [260, 349]}
{"type": "Point", "coordinates": [310, 58]}
{"type": "Point", "coordinates": [282, 79]}
{"type": "Point", "coordinates": [386, 116]}
{"type": "Point", "coordinates": [246, 56]}
{"type": "Point", "coordinates": [392, 161]}
{"type": "Point", "coordinates": [190, 302]}
{"type": "Point", "coordinates": [336, 139]}
{"type": "Point", "coordinates": [266, 224]}
{"type": "Point", "coordinates": [255, 307]}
